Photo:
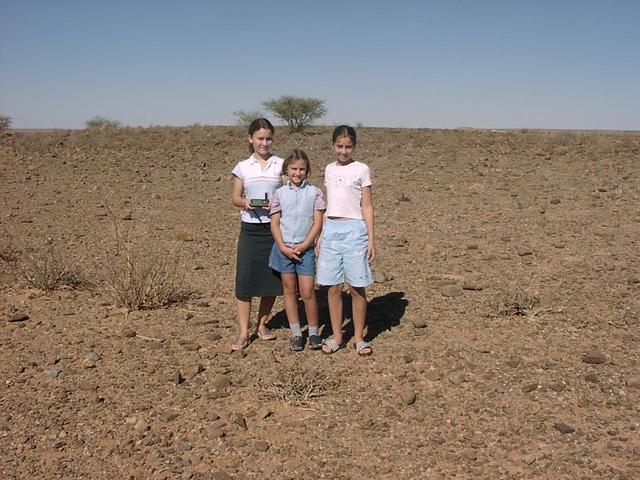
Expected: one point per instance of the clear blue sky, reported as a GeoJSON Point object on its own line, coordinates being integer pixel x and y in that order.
{"type": "Point", "coordinates": [414, 63]}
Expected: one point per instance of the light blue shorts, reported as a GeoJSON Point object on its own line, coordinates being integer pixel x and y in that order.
{"type": "Point", "coordinates": [343, 254]}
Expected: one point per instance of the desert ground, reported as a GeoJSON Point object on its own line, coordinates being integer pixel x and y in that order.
{"type": "Point", "coordinates": [505, 317]}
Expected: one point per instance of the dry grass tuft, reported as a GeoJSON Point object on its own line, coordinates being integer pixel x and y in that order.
{"type": "Point", "coordinates": [48, 268]}
{"type": "Point", "coordinates": [291, 384]}
{"type": "Point", "coordinates": [181, 234]}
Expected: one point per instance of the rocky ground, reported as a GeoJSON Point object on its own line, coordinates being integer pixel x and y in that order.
{"type": "Point", "coordinates": [505, 318]}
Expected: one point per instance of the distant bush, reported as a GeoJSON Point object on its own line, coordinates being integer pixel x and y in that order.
{"type": "Point", "coordinates": [102, 123]}
{"type": "Point", "coordinates": [298, 112]}
{"type": "Point", "coordinates": [245, 117]}
{"type": "Point", "coordinates": [5, 122]}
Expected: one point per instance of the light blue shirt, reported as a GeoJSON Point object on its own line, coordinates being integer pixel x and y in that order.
{"type": "Point", "coordinates": [297, 207]}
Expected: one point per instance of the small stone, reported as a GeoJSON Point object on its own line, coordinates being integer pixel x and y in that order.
{"type": "Point", "coordinates": [239, 420]}
{"type": "Point", "coordinates": [525, 252]}
{"type": "Point", "coordinates": [496, 387]}
{"type": "Point", "coordinates": [129, 333]}
{"type": "Point", "coordinates": [451, 290]}
{"type": "Point", "coordinates": [476, 287]}
{"type": "Point", "coordinates": [419, 322]}
{"type": "Point", "coordinates": [456, 377]}
{"type": "Point", "coordinates": [223, 348]}
{"type": "Point", "coordinates": [141, 427]}
{"type": "Point", "coordinates": [221, 382]}
{"type": "Point", "coordinates": [264, 413]}
{"type": "Point", "coordinates": [127, 216]}
{"type": "Point", "coordinates": [261, 446]}
{"type": "Point", "coordinates": [633, 382]}
{"type": "Point", "coordinates": [186, 475]}
{"type": "Point", "coordinates": [221, 475]}
{"type": "Point", "coordinates": [530, 387]}
{"type": "Point", "coordinates": [379, 277]}
{"type": "Point", "coordinates": [563, 428]}
{"type": "Point", "coordinates": [154, 345]}
{"type": "Point", "coordinates": [168, 416]}
{"type": "Point", "coordinates": [513, 362]}
{"type": "Point", "coordinates": [634, 279]}
{"type": "Point", "coordinates": [433, 376]}
{"type": "Point", "coordinates": [592, 378]}
{"type": "Point", "coordinates": [558, 387]}
{"type": "Point", "coordinates": [555, 201]}
{"type": "Point", "coordinates": [606, 388]}
{"type": "Point", "coordinates": [408, 396]}
{"type": "Point", "coordinates": [528, 458]}
{"type": "Point", "coordinates": [18, 317]}
{"type": "Point", "coordinates": [184, 446]}
{"type": "Point", "coordinates": [213, 432]}
{"type": "Point", "coordinates": [52, 372]}
{"type": "Point", "coordinates": [178, 378]}
{"type": "Point", "coordinates": [594, 358]}
{"type": "Point", "coordinates": [92, 356]}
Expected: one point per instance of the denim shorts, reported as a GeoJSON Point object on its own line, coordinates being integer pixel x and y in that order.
{"type": "Point", "coordinates": [280, 263]}
{"type": "Point", "coordinates": [343, 254]}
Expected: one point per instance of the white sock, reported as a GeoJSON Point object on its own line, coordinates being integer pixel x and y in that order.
{"type": "Point", "coordinates": [313, 330]}
{"type": "Point", "coordinates": [295, 329]}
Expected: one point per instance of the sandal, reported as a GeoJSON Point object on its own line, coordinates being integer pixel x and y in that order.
{"type": "Point", "coordinates": [332, 346]}
{"type": "Point", "coordinates": [363, 349]}
{"type": "Point", "coordinates": [265, 334]}
{"type": "Point", "coordinates": [239, 344]}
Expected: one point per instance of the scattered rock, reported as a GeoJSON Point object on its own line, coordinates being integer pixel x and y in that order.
{"type": "Point", "coordinates": [380, 277]}
{"type": "Point", "coordinates": [633, 382]}
{"type": "Point", "coordinates": [221, 475]}
{"type": "Point", "coordinates": [178, 378]}
{"type": "Point", "coordinates": [92, 356]}
{"type": "Point", "coordinates": [52, 372]}
{"type": "Point", "coordinates": [563, 428]}
{"type": "Point", "coordinates": [451, 290]}
{"type": "Point", "coordinates": [239, 420]}
{"type": "Point", "coordinates": [419, 322]}
{"type": "Point", "coordinates": [456, 377]}
{"type": "Point", "coordinates": [18, 317]}
{"type": "Point", "coordinates": [223, 348]}
{"type": "Point", "coordinates": [168, 416]}
{"type": "Point", "coordinates": [213, 432]}
{"type": "Point", "coordinates": [468, 285]}
{"type": "Point", "coordinates": [525, 252]}
{"type": "Point", "coordinates": [184, 446]}
{"type": "Point", "coordinates": [592, 378]}
{"type": "Point", "coordinates": [433, 376]}
{"type": "Point", "coordinates": [555, 201]}
{"type": "Point", "coordinates": [127, 216]}
{"type": "Point", "coordinates": [513, 362]}
{"type": "Point", "coordinates": [496, 387]}
{"type": "Point", "coordinates": [261, 446]}
{"type": "Point", "coordinates": [402, 197]}
{"type": "Point", "coordinates": [408, 396]}
{"type": "Point", "coordinates": [155, 345]}
{"type": "Point", "coordinates": [530, 387]}
{"type": "Point", "coordinates": [129, 333]}
{"type": "Point", "coordinates": [594, 358]}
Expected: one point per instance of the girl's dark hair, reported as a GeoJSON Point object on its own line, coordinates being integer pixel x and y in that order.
{"type": "Point", "coordinates": [296, 154]}
{"type": "Point", "coordinates": [256, 125]}
{"type": "Point", "coordinates": [344, 131]}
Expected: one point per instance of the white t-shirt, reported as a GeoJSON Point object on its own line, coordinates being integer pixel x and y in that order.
{"type": "Point", "coordinates": [344, 184]}
{"type": "Point", "coordinates": [258, 182]}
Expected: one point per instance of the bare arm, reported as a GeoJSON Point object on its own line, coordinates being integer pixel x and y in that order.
{"type": "Point", "coordinates": [289, 252]}
{"type": "Point", "coordinates": [237, 194]}
{"type": "Point", "coordinates": [367, 213]}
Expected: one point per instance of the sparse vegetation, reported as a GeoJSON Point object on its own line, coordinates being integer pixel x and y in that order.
{"type": "Point", "coordinates": [102, 123]}
{"type": "Point", "coordinates": [298, 112]}
{"type": "Point", "coordinates": [245, 117]}
{"type": "Point", "coordinates": [291, 384]}
{"type": "Point", "coordinates": [47, 267]}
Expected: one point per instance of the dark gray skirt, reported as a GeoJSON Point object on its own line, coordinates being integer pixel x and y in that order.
{"type": "Point", "coordinates": [254, 277]}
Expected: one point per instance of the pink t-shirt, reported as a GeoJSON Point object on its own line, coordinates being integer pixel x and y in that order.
{"type": "Point", "coordinates": [344, 184]}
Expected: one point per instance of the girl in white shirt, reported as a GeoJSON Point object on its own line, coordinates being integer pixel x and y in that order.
{"type": "Point", "coordinates": [347, 244]}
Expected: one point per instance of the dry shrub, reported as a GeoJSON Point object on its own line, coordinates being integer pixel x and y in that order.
{"type": "Point", "coordinates": [48, 267]}
{"type": "Point", "coordinates": [514, 302]}
{"type": "Point", "coordinates": [291, 384]}
{"type": "Point", "coordinates": [181, 234]}
{"type": "Point", "coordinates": [141, 276]}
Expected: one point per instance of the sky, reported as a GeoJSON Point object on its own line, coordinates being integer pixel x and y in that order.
{"type": "Point", "coordinates": [550, 64]}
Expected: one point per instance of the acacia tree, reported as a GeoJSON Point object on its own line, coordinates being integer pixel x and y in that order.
{"type": "Point", "coordinates": [5, 122]}
{"type": "Point", "coordinates": [298, 112]}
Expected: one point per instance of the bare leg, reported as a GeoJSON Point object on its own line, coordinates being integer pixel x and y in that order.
{"type": "Point", "coordinates": [334, 299]}
{"type": "Point", "coordinates": [289, 286]}
{"type": "Point", "coordinates": [359, 306]}
{"type": "Point", "coordinates": [308, 294]}
{"type": "Point", "coordinates": [244, 312]}
{"type": "Point", "coordinates": [266, 304]}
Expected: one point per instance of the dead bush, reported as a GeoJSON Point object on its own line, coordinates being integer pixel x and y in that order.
{"type": "Point", "coordinates": [514, 302]}
{"type": "Point", "coordinates": [48, 267]}
{"type": "Point", "coordinates": [141, 276]}
{"type": "Point", "coordinates": [291, 384]}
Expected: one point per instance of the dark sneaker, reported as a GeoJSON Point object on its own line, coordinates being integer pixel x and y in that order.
{"type": "Point", "coordinates": [315, 342]}
{"type": "Point", "coordinates": [297, 344]}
